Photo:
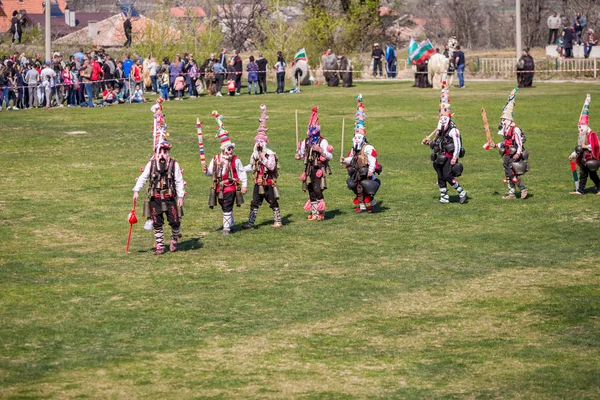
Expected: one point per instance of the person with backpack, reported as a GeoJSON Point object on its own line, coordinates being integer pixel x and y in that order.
{"type": "Point", "coordinates": [447, 149]}
{"type": "Point", "coordinates": [512, 150]}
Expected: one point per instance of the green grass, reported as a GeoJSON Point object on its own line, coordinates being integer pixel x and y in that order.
{"type": "Point", "coordinates": [492, 299]}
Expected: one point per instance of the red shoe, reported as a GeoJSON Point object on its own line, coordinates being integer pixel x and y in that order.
{"type": "Point", "coordinates": [173, 246]}
{"type": "Point", "coordinates": [159, 250]}
{"type": "Point", "coordinates": [320, 217]}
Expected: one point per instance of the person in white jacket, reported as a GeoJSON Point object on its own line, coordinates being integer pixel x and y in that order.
{"type": "Point", "coordinates": [166, 192]}
{"type": "Point", "coordinates": [230, 181]}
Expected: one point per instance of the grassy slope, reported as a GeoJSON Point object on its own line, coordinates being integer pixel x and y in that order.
{"type": "Point", "coordinates": [490, 299]}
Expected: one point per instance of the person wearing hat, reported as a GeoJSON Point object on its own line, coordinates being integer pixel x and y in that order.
{"type": "Point", "coordinates": [264, 166]}
{"type": "Point", "coordinates": [512, 150]}
{"type": "Point", "coordinates": [447, 149]}
{"type": "Point", "coordinates": [587, 152]}
{"type": "Point", "coordinates": [166, 188]}
{"type": "Point", "coordinates": [377, 55]}
{"type": "Point", "coordinates": [316, 153]}
{"type": "Point", "coordinates": [362, 165]}
{"type": "Point", "coordinates": [230, 181]}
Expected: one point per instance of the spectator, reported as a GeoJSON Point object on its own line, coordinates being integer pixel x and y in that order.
{"type": "Point", "coordinates": [137, 73]}
{"type": "Point", "coordinates": [164, 84]}
{"type": "Point", "coordinates": [127, 64]}
{"type": "Point", "coordinates": [86, 78]}
{"type": "Point", "coordinates": [68, 85]}
{"type": "Point", "coordinates": [223, 57]}
{"type": "Point", "coordinates": [96, 76]}
{"type": "Point", "coordinates": [138, 94]}
{"type": "Point", "coordinates": [153, 73]}
{"type": "Point", "coordinates": [525, 68]}
{"type": "Point", "coordinates": [47, 84]}
{"type": "Point", "coordinates": [109, 96]}
{"type": "Point", "coordinates": [568, 42]}
{"type": "Point", "coordinates": [377, 56]}
{"type": "Point", "coordinates": [237, 64]}
{"type": "Point", "coordinates": [590, 41]}
{"type": "Point", "coordinates": [390, 61]}
{"type": "Point", "coordinates": [31, 78]}
{"type": "Point", "coordinates": [108, 72]}
{"type": "Point", "coordinates": [231, 76]}
{"type": "Point", "coordinates": [128, 29]}
{"type": "Point", "coordinates": [280, 73]}
{"type": "Point", "coordinates": [578, 27]}
{"type": "Point", "coordinates": [219, 71]}
{"type": "Point", "coordinates": [4, 86]}
{"type": "Point", "coordinates": [553, 25]}
{"type": "Point", "coordinates": [262, 73]}
{"type": "Point", "coordinates": [179, 86]}
{"type": "Point", "coordinates": [560, 45]}
{"type": "Point", "coordinates": [79, 56]}
{"type": "Point", "coordinates": [175, 68]}
{"type": "Point", "coordinates": [16, 28]}
{"type": "Point", "coordinates": [192, 77]}
{"type": "Point", "coordinates": [119, 77]}
{"type": "Point", "coordinates": [252, 69]}
{"type": "Point", "coordinates": [459, 61]}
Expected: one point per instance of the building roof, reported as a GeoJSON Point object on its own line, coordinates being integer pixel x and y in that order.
{"type": "Point", "coordinates": [179, 12]}
{"type": "Point", "coordinates": [26, 6]}
{"type": "Point", "coordinates": [60, 28]}
{"type": "Point", "coordinates": [111, 33]}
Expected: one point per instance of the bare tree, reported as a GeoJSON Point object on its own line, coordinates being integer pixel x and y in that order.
{"type": "Point", "coordinates": [237, 19]}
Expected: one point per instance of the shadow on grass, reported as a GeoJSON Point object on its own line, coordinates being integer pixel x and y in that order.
{"type": "Point", "coordinates": [285, 220]}
{"type": "Point", "coordinates": [331, 214]}
{"type": "Point", "coordinates": [529, 195]}
{"type": "Point", "coordinates": [190, 244]}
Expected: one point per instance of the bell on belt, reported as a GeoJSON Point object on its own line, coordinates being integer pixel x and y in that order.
{"type": "Point", "coordinates": [276, 193]}
{"type": "Point", "coordinates": [221, 195]}
{"type": "Point", "coordinates": [239, 198]}
{"type": "Point", "coordinates": [261, 189]}
{"type": "Point", "coordinates": [323, 183]}
{"type": "Point", "coordinates": [212, 198]}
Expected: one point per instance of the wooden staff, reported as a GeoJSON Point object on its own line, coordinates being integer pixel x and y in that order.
{"type": "Point", "coordinates": [488, 135]}
{"type": "Point", "coordinates": [427, 138]}
{"type": "Point", "coordinates": [342, 145]}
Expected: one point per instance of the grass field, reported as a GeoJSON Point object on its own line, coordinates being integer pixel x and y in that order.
{"type": "Point", "coordinates": [492, 299]}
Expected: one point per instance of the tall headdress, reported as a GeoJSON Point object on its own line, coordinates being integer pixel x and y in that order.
{"type": "Point", "coordinates": [507, 112]}
{"type": "Point", "coordinates": [584, 118]}
{"type": "Point", "coordinates": [159, 129]}
{"type": "Point", "coordinates": [445, 99]}
{"type": "Point", "coordinates": [313, 123]}
{"type": "Point", "coordinates": [262, 127]}
{"type": "Point", "coordinates": [222, 133]}
{"type": "Point", "coordinates": [359, 119]}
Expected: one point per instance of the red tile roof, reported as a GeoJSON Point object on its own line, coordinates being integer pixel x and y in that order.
{"type": "Point", "coordinates": [29, 6]}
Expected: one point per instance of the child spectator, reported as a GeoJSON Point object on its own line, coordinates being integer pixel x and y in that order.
{"type": "Point", "coordinates": [231, 75]}
{"type": "Point", "coordinates": [164, 85]}
{"type": "Point", "coordinates": [138, 95]}
{"type": "Point", "coordinates": [252, 69]}
{"type": "Point", "coordinates": [48, 91]}
{"type": "Point", "coordinates": [179, 85]}
{"type": "Point", "coordinates": [109, 96]}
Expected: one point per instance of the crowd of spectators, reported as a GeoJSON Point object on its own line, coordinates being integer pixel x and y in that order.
{"type": "Point", "coordinates": [94, 78]}
{"type": "Point", "coordinates": [575, 32]}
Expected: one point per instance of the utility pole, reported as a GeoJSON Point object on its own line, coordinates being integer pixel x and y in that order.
{"type": "Point", "coordinates": [518, 22]}
{"type": "Point", "coordinates": [48, 41]}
